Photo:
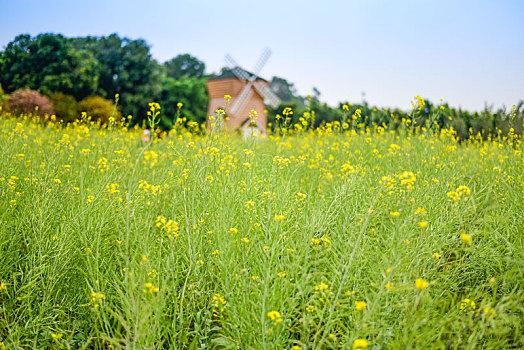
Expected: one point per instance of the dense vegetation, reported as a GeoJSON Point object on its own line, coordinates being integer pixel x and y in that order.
{"type": "Point", "coordinates": [344, 236]}
{"type": "Point", "coordinates": [69, 70]}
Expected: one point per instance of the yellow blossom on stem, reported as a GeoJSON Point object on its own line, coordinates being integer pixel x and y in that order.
{"type": "Point", "coordinates": [359, 305]}
{"type": "Point", "coordinates": [275, 317]}
{"type": "Point", "coordinates": [465, 238]}
{"type": "Point", "coordinates": [360, 344]}
{"type": "Point", "coordinates": [421, 284]}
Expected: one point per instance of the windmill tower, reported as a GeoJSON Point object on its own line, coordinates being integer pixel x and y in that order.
{"type": "Point", "coordinates": [248, 92]}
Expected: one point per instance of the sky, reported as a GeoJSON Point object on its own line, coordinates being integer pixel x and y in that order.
{"type": "Point", "coordinates": [468, 53]}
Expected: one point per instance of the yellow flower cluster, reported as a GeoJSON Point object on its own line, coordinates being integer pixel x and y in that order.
{"type": "Point", "coordinates": [113, 188]}
{"type": "Point", "coordinates": [219, 305]}
{"type": "Point", "coordinates": [169, 226]}
{"type": "Point", "coordinates": [275, 317]}
{"type": "Point", "coordinates": [96, 298]}
{"type": "Point", "coordinates": [406, 181]}
{"type": "Point", "coordinates": [149, 288]}
{"type": "Point", "coordinates": [145, 187]}
{"type": "Point", "coordinates": [461, 192]}
{"type": "Point", "coordinates": [319, 243]}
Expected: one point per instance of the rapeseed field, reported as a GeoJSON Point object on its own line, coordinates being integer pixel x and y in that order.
{"type": "Point", "coordinates": [342, 237]}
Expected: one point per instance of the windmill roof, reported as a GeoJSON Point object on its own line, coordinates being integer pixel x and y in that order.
{"type": "Point", "coordinates": [228, 74]}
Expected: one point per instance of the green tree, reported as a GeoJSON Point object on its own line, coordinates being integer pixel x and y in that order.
{"type": "Point", "coordinates": [185, 65]}
{"type": "Point", "coordinates": [285, 90]}
{"type": "Point", "coordinates": [126, 68]}
{"type": "Point", "coordinates": [191, 92]}
{"type": "Point", "coordinates": [48, 63]}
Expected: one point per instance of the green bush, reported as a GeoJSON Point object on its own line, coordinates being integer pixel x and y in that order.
{"type": "Point", "coordinates": [3, 98]}
{"type": "Point", "coordinates": [99, 108]}
{"type": "Point", "coordinates": [65, 107]}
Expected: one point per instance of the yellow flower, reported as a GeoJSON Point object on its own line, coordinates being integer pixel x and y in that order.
{"type": "Point", "coordinates": [436, 256]}
{"type": "Point", "coordinates": [465, 237]}
{"type": "Point", "coordinates": [421, 284]}
{"type": "Point", "coordinates": [359, 305]}
{"type": "Point", "coordinates": [227, 97]}
{"type": "Point", "coordinates": [394, 213]}
{"type": "Point", "coordinates": [453, 195]}
{"type": "Point", "coordinates": [179, 105]}
{"type": "Point", "coordinates": [467, 304]}
{"type": "Point", "coordinates": [245, 240]}
{"type": "Point", "coordinates": [423, 224]}
{"type": "Point", "coordinates": [463, 190]}
{"type": "Point", "coordinates": [57, 336]}
{"type": "Point", "coordinates": [360, 344]}
{"type": "Point", "coordinates": [490, 312]}
{"type": "Point", "coordinates": [420, 211]}
{"type": "Point", "coordinates": [275, 316]}
{"type": "Point", "coordinates": [149, 288]}
{"type": "Point", "coordinates": [345, 107]}
{"type": "Point", "coordinates": [3, 286]}
{"type": "Point", "coordinates": [287, 111]}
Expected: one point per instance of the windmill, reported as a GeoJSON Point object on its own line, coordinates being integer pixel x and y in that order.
{"type": "Point", "coordinates": [248, 92]}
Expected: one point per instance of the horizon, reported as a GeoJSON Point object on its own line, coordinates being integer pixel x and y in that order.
{"type": "Point", "coordinates": [468, 54]}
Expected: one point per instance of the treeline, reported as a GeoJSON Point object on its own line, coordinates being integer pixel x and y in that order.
{"type": "Point", "coordinates": [85, 74]}
{"type": "Point", "coordinates": [110, 75]}
{"type": "Point", "coordinates": [312, 112]}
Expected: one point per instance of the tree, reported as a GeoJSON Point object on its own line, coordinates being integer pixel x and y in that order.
{"type": "Point", "coordinates": [49, 64]}
{"type": "Point", "coordinates": [126, 68]}
{"type": "Point", "coordinates": [285, 90]}
{"type": "Point", "coordinates": [191, 92]}
{"type": "Point", "coordinates": [185, 65]}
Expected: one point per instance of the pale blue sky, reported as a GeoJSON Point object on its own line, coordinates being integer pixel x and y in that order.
{"type": "Point", "coordinates": [465, 52]}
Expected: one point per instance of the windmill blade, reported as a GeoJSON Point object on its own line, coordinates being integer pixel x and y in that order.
{"type": "Point", "coordinates": [235, 68]}
{"type": "Point", "coordinates": [262, 61]}
{"type": "Point", "coordinates": [269, 96]}
{"type": "Point", "coordinates": [242, 99]}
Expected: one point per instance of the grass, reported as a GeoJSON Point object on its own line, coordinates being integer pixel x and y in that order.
{"type": "Point", "coordinates": [271, 242]}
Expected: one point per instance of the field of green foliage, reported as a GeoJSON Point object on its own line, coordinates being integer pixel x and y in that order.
{"type": "Point", "coordinates": [337, 238]}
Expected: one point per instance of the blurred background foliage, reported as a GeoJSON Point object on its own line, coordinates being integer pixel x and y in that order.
{"type": "Point", "coordinates": [68, 76]}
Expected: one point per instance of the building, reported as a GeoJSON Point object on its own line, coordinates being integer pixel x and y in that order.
{"type": "Point", "coordinates": [229, 84]}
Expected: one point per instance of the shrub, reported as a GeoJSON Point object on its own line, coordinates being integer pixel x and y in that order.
{"type": "Point", "coordinates": [99, 109]}
{"type": "Point", "coordinates": [26, 101]}
{"type": "Point", "coordinates": [3, 98]}
{"type": "Point", "coordinates": [65, 107]}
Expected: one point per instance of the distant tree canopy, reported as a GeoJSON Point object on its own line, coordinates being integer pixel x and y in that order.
{"type": "Point", "coordinates": [285, 90]}
{"type": "Point", "coordinates": [85, 74]}
{"type": "Point", "coordinates": [191, 92]}
{"type": "Point", "coordinates": [185, 66]}
{"type": "Point", "coordinates": [103, 66]}
{"type": "Point", "coordinates": [126, 68]}
{"type": "Point", "coordinates": [48, 63]}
